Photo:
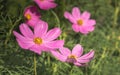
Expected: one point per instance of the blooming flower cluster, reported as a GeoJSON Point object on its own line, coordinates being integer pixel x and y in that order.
{"type": "Point", "coordinates": [34, 34]}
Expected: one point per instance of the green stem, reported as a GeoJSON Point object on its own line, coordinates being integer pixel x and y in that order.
{"type": "Point", "coordinates": [10, 31]}
{"type": "Point", "coordinates": [116, 16]}
{"type": "Point", "coordinates": [82, 37]}
{"type": "Point", "coordinates": [58, 20]}
{"type": "Point", "coordinates": [103, 56]}
{"type": "Point", "coordinates": [35, 71]}
{"type": "Point", "coordinates": [116, 13]}
{"type": "Point", "coordinates": [71, 69]}
{"type": "Point", "coordinates": [48, 59]}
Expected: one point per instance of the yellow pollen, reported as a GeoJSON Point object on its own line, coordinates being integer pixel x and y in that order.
{"type": "Point", "coordinates": [72, 57]}
{"type": "Point", "coordinates": [28, 16]}
{"type": "Point", "coordinates": [38, 40]}
{"type": "Point", "coordinates": [80, 22]}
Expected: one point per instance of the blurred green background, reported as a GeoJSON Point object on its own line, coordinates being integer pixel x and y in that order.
{"type": "Point", "coordinates": [105, 40]}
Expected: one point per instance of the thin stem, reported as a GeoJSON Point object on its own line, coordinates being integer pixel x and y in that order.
{"type": "Point", "coordinates": [81, 39]}
{"type": "Point", "coordinates": [86, 71]}
{"type": "Point", "coordinates": [35, 64]}
{"type": "Point", "coordinates": [57, 21]}
{"type": "Point", "coordinates": [116, 13]}
{"type": "Point", "coordinates": [103, 56]}
{"type": "Point", "coordinates": [48, 59]}
{"type": "Point", "coordinates": [71, 69]}
{"type": "Point", "coordinates": [10, 31]}
{"type": "Point", "coordinates": [57, 18]}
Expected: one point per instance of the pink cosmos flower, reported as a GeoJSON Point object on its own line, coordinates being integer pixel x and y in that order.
{"type": "Point", "coordinates": [75, 56]}
{"type": "Point", "coordinates": [81, 22]}
{"type": "Point", "coordinates": [45, 4]}
{"type": "Point", "coordinates": [40, 40]}
{"type": "Point", "coordinates": [32, 15]}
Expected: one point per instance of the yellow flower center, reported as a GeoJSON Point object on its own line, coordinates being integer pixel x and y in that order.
{"type": "Point", "coordinates": [28, 16]}
{"type": "Point", "coordinates": [38, 40]}
{"type": "Point", "coordinates": [72, 57]}
{"type": "Point", "coordinates": [80, 22]}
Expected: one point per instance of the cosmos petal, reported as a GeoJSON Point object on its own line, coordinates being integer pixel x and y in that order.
{"type": "Point", "coordinates": [77, 50]}
{"type": "Point", "coordinates": [65, 51]}
{"type": "Point", "coordinates": [89, 55]}
{"type": "Point", "coordinates": [85, 15]}
{"type": "Point", "coordinates": [25, 44]}
{"type": "Point", "coordinates": [40, 29]}
{"type": "Point", "coordinates": [54, 44]}
{"type": "Point", "coordinates": [77, 64]}
{"type": "Point", "coordinates": [58, 56]}
{"type": "Point", "coordinates": [46, 4]}
{"type": "Point", "coordinates": [26, 31]}
{"type": "Point", "coordinates": [75, 28]}
{"type": "Point", "coordinates": [76, 12]}
{"type": "Point", "coordinates": [53, 34]}
{"type": "Point", "coordinates": [68, 16]}
{"type": "Point", "coordinates": [36, 49]}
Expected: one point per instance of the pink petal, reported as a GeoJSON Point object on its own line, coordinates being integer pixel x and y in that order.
{"type": "Point", "coordinates": [53, 34]}
{"type": "Point", "coordinates": [68, 16]}
{"type": "Point", "coordinates": [75, 28]}
{"type": "Point", "coordinates": [65, 51]}
{"type": "Point", "coordinates": [77, 64]}
{"type": "Point", "coordinates": [19, 36]}
{"type": "Point", "coordinates": [84, 30]}
{"type": "Point", "coordinates": [58, 56]}
{"type": "Point", "coordinates": [77, 50]}
{"type": "Point", "coordinates": [54, 44]}
{"type": "Point", "coordinates": [36, 48]}
{"type": "Point", "coordinates": [33, 22]}
{"type": "Point", "coordinates": [25, 44]}
{"type": "Point", "coordinates": [89, 28]}
{"type": "Point", "coordinates": [46, 5]}
{"type": "Point", "coordinates": [83, 60]}
{"type": "Point", "coordinates": [26, 31]}
{"type": "Point", "coordinates": [40, 29]}
{"type": "Point", "coordinates": [85, 15]}
{"type": "Point", "coordinates": [41, 47]}
{"type": "Point", "coordinates": [89, 55]}
{"type": "Point", "coordinates": [76, 12]}
{"type": "Point", "coordinates": [91, 22]}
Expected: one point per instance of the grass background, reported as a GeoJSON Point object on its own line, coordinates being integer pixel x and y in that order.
{"type": "Point", "coordinates": [105, 40]}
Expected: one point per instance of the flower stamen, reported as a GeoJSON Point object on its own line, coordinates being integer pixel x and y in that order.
{"type": "Point", "coordinates": [38, 40]}
{"type": "Point", "coordinates": [28, 16]}
{"type": "Point", "coordinates": [72, 57]}
{"type": "Point", "coordinates": [80, 22]}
